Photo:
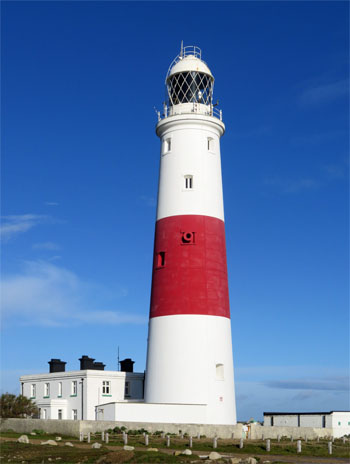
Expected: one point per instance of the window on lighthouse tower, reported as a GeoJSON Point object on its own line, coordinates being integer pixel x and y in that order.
{"type": "Point", "coordinates": [188, 182]}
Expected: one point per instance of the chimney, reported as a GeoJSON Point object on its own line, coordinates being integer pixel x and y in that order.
{"type": "Point", "coordinates": [99, 366]}
{"type": "Point", "coordinates": [56, 365]}
{"type": "Point", "coordinates": [127, 365]}
{"type": "Point", "coordinates": [86, 363]}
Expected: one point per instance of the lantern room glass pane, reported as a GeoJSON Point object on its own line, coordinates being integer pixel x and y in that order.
{"type": "Point", "coordinates": [190, 87]}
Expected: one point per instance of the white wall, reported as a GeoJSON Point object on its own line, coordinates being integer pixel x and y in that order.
{"type": "Point", "coordinates": [148, 412]}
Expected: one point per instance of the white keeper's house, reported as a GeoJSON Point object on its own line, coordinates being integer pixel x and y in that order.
{"type": "Point", "coordinates": [76, 394]}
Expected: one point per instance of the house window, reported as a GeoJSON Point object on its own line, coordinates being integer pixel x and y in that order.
{"type": "Point", "coordinates": [59, 414]}
{"type": "Point", "coordinates": [160, 259]}
{"type": "Point", "coordinates": [106, 387]}
{"type": "Point", "coordinates": [323, 421]}
{"type": "Point", "coordinates": [167, 145]}
{"type": "Point", "coordinates": [127, 389]}
{"type": "Point", "coordinates": [46, 391]}
{"type": "Point", "coordinates": [59, 389]}
{"type": "Point", "coordinates": [74, 388]}
{"type": "Point", "coordinates": [44, 414]}
{"type": "Point", "coordinates": [74, 414]}
{"type": "Point", "coordinates": [219, 372]}
{"type": "Point", "coordinates": [188, 182]}
{"type": "Point", "coordinates": [33, 390]}
{"type": "Point", "coordinates": [210, 144]}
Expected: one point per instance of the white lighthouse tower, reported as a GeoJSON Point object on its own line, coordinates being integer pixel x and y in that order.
{"type": "Point", "coordinates": [189, 358]}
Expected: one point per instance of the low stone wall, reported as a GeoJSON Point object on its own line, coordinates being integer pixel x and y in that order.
{"type": "Point", "coordinates": [258, 431]}
{"type": "Point", "coordinates": [73, 428]}
{"type": "Point", "coordinates": [64, 427]}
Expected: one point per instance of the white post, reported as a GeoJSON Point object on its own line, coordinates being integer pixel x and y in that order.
{"type": "Point", "coordinates": [107, 438]}
{"type": "Point", "coordinates": [329, 447]}
{"type": "Point", "coordinates": [215, 442]}
{"type": "Point", "coordinates": [299, 446]}
{"type": "Point", "coordinates": [81, 436]}
{"type": "Point", "coordinates": [103, 435]}
{"type": "Point", "coordinates": [182, 436]}
{"type": "Point", "coordinates": [344, 440]}
{"type": "Point", "coordinates": [318, 439]}
{"type": "Point", "coordinates": [146, 440]}
{"type": "Point", "coordinates": [190, 442]}
{"type": "Point", "coordinates": [268, 445]}
{"type": "Point", "coordinates": [198, 436]}
{"type": "Point", "coordinates": [88, 437]}
{"type": "Point", "coordinates": [278, 438]}
{"type": "Point", "coordinates": [125, 440]}
{"type": "Point", "coordinates": [168, 441]}
{"type": "Point", "coordinates": [241, 443]}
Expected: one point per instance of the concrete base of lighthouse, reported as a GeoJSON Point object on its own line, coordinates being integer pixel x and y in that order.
{"type": "Point", "coordinates": [197, 368]}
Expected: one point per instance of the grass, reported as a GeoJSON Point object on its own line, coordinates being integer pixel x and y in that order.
{"type": "Point", "coordinates": [35, 452]}
{"type": "Point", "coordinates": [18, 452]}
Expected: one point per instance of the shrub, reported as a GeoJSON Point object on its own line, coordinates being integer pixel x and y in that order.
{"type": "Point", "coordinates": [17, 406]}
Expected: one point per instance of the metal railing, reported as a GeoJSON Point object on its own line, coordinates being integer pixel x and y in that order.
{"type": "Point", "coordinates": [207, 110]}
{"type": "Point", "coordinates": [185, 51]}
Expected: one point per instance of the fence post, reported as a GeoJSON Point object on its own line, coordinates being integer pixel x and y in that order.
{"type": "Point", "coordinates": [318, 439]}
{"type": "Point", "coordinates": [278, 438]}
{"type": "Point", "coordinates": [291, 438]}
{"type": "Point", "coordinates": [125, 439]}
{"type": "Point", "coordinates": [103, 435]}
{"type": "Point", "coordinates": [168, 441]}
{"type": "Point", "coordinates": [198, 436]}
{"type": "Point", "coordinates": [182, 436]}
{"type": "Point", "coordinates": [88, 437]}
{"type": "Point", "coordinates": [299, 446]}
{"type": "Point", "coordinates": [268, 445]}
{"type": "Point", "coordinates": [241, 443]}
{"type": "Point", "coordinates": [146, 439]}
{"type": "Point", "coordinates": [107, 438]}
{"type": "Point", "coordinates": [305, 439]}
{"type": "Point", "coordinates": [81, 436]}
{"type": "Point", "coordinates": [215, 442]}
{"type": "Point", "coordinates": [329, 447]}
{"type": "Point", "coordinates": [190, 442]}
{"type": "Point", "coordinates": [344, 440]}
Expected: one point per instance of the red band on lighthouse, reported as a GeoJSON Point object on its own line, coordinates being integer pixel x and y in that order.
{"type": "Point", "coordinates": [189, 267]}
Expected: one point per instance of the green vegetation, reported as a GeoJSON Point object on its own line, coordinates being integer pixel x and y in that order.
{"type": "Point", "coordinates": [16, 406]}
{"type": "Point", "coordinates": [113, 452]}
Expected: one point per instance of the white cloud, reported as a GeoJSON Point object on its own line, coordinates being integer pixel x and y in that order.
{"type": "Point", "coordinates": [48, 295]}
{"type": "Point", "coordinates": [51, 203]}
{"type": "Point", "coordinates": [16, 224]}
{"type": "Point", "coordinates": [325, 93]}
{"type": "Point", "coordinates": [293, 185]}
{"type": "Point", "coordinates": [46, 246]}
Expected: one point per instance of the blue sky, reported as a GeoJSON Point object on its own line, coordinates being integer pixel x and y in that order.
{"type": "Point", "coordinates": [80, 81]}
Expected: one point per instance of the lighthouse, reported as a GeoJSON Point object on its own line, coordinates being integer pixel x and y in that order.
{"type": "Point", "coordinates": [189, 355]}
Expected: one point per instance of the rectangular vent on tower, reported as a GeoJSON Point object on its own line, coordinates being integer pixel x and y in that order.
{"type": "Point", "coordinates": [210, 143]}
{"type": "Point", "coordinates": [219, 372]}
{"type": "Point", "coordinates": [188, 182]}
{"type": "Point", "coordinates": [160, 259]}
{"type": "Point", "coordinates": [167, 145]}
